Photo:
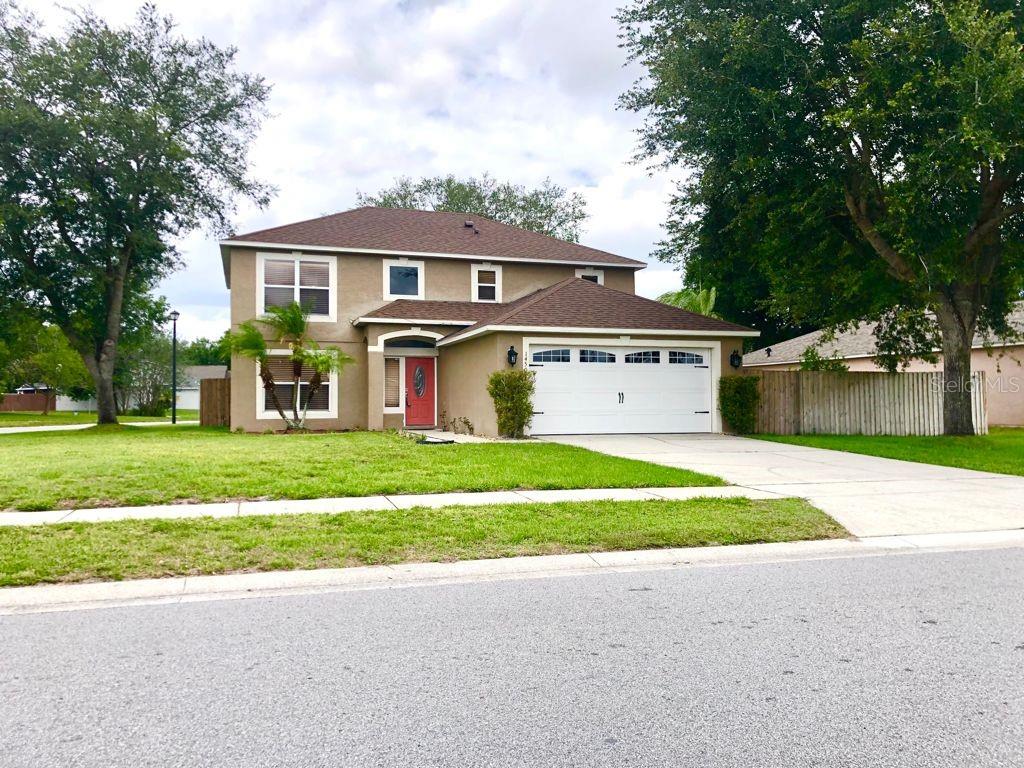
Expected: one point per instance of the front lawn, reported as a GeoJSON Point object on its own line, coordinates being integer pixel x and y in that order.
{"type": "Point", "coordinates": [1002, 450]}
{"type": "Point", "coordinates": [119, 466]}
{"type": "Point", "coordinates": [153, 548]}
{"type": "Point", "coordinates": [62, 418]}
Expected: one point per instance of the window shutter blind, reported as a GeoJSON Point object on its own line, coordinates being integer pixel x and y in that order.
{"type": "Point", "coordinates": [278, 272]}
{"type": "Point", "coordinates": [281, 367]}
{"type": "Point", "coordinates": [392, 388]}
{"type": "Point", "coordinates": [314, 274]}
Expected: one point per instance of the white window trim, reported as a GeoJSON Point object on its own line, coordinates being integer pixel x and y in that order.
{"type": "Point", "coordinates": [414, 331]}
{"type": "Point", "coordinates": [400, 408]}
{"type": "Point", "coordinates": [486, 267]}
{"type": "Point", "coordinates": [272, 415]}
{"type": "Point", "coordinates": [421, 286]}
{"type": "Point", "coordinates": [714, 350]}
{"type": "Point", "coordinates": [332, 286]}
{"type": "Point", "coordinates": [591, 272]}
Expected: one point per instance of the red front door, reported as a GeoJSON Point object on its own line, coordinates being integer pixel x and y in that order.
{"type": "Point", "coordinates": [419, 392]}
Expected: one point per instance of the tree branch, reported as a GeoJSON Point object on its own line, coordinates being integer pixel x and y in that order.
{"type": "Point", "coordinates": [875, 239]}
{"type": "Point", "coordinates": [982, 230]}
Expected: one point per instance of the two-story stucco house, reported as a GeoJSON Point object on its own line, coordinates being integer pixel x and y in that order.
{"type": "Point", "coordinates": [429, 304]}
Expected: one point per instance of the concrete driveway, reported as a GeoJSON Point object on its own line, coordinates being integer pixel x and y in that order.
{"type": "Point", "coordinates": [871, 496]}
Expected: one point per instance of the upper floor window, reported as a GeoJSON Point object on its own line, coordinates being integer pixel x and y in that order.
{"type": "Point", "coordinates": [486, 282]}
{"type": "Point", "coordinates": [403, 279]}
{"type": "Point", "coordinates": [309, 280]}
{"type": "Point", "coordinates": [593, 275]}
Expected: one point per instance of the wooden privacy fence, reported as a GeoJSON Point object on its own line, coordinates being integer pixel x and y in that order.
{"type": "Point", "coordinates": [215, 402]}
{"type": "Point", "coordinates": [29, 401]}
{"type": "Point", "coordinates": [810, 402]}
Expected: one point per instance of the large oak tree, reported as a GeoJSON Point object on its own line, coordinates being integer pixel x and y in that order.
{"type": "Point", "coordinates": [864, 158]}
{"type": "Point", "coordinates": [113, 142]}
{"type": "Point", "coordinates": [548, 209]}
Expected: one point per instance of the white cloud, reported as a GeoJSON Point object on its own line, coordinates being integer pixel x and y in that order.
{"type": "Point", "coordinates": [367, 91]}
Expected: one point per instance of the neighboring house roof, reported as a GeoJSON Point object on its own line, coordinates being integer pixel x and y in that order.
{"type": "Point", "coordinates": [200, 372]}
{"type": "Point", "coordinates": [581, 305]}
{"type": "Point", "coordinates": [425, 233]}
{"type": "Point", "coordinates": [436, 312]}
{"type": "Point", "coordinates": [859, 342]}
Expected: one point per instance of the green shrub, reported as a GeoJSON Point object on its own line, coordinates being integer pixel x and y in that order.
{"type": "Point", "coordinates": [512, 393]}
{"type": "Point", "coordinates": [158, 406]}
{"type": "Point", "coordinates": [739, 397]}
{"type": "Point", "coordinates": [811, 360]}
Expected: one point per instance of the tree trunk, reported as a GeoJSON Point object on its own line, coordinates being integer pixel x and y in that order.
{"type": "Point", "coordinates": [102, 371]}
{"type": "Point", "coordinates": [106, 404]}
{"type": "Point", "coordinates": [268, 386]}
{"type": "Point", "coordinates": [957, 324]}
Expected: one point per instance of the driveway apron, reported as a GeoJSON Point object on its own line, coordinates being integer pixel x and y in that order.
{"type": "Point", "coordinates": [870, 496]}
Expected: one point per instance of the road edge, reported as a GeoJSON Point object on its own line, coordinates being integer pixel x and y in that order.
{"type": "Point", "coordinates": [68, 597]}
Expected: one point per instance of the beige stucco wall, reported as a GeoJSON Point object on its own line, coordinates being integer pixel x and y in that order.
{"type": "Point", "coordinates": [1004, 378]}
{"type": "Point", "coordinates": [360, 290]}
{"type": "Point", "coordinates": [467, 365]}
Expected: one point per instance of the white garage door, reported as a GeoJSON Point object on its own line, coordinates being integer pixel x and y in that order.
{"type": "Point", "coordinates": [596, 389]}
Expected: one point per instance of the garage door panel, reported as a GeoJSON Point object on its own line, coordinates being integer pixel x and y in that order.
{"type": "Point", "coordinates": [620, 397]}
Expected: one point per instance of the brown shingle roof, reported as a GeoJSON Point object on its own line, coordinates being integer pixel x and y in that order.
{"type": "Point", "coordinates": [397, 230]}
{"type": "Point", "coordinates": [577, 303]}
{"type": "Point", "coordinates": [465, 312]}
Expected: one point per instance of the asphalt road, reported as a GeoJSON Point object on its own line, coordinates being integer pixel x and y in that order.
{"type": "Point", "coordinates": [908, 660]}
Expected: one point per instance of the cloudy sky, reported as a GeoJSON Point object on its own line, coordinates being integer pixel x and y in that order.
{"type": "Point", "coordinates": [367, 90]}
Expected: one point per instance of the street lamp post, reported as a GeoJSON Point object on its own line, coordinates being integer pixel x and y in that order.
{"type": "Point", "coordinates": [174, 366]}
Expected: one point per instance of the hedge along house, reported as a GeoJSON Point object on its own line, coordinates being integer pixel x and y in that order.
{"type": "Point", "coordinates": [429, 304]}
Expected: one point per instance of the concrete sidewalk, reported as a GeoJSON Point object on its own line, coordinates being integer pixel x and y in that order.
{"type": "Point", "coordinates": [868, 495]}
{"type": "Point", "coordinates": [62, 597]}
{"type": "Point", "coordinates": [359, 503]}
{"type": "Point", "coordinates": [70, 427]}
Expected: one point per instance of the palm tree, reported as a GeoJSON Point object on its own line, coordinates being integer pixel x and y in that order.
{"type": "Point", "coordinates": [701, 301]}
{"type": "Point", "coordinates": [288, 326]}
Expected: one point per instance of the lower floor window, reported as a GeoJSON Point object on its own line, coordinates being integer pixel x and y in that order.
{"type": "Point", "coordinates": [392, 382]}
{"type": "Point", "coordinates": [286, 391]}
{"type": "Point", "coordinates": [596, 356]}
{"type": "Point", "coordinates": [284, 387]}
{"type": "Point", "coordinates": [648, 356]}
{"type": "Point", "coordinates": [684, 358]}
{"type": "Point", "coordinates": [551, 356]}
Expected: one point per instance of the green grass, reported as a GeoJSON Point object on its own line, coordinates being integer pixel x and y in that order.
{"type": "Point", "coordinates": [154, 548]}
{"type": "Point", "coordinates": [1002, 450]}
{"type": "Point", "coordinates": [120, 466]}
{"type": "Point", "coordinates": [62, 418]}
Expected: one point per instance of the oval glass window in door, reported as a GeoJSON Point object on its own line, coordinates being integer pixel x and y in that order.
{"type": "Point", "coordinates": [419, 381]}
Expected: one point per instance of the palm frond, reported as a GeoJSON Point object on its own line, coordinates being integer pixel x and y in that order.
{"type": "Point", "coordinates": [700, 301]}
{"type": "Point", "coordinates": [287, 324]}
{"type": "Point", "coordinates": [247, 341]}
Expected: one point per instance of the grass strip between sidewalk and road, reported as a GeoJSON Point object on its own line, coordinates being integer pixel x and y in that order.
{"type": "Point", "coordinates": [1001, 450]}
{"type": "Point", "coordinates": [129, 466]}
{"type": "Point", "coordinates": [129, 549]}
